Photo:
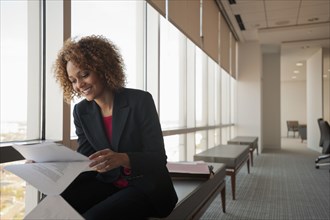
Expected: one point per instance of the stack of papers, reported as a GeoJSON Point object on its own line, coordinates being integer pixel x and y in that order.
{"type": "Point", "coordinates": [54, 168]}
{"type": "Point", "coordinates": [186, 169]}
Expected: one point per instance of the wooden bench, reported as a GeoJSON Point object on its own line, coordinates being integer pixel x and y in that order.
{"type": "Point", "coordinates": [247, 140]}
{"type": "Point", "coordinates": [234, 156]}
{"type": "Point", "coordinates": [195, 195]}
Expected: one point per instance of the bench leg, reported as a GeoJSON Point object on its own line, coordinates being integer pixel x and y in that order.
{"type": "Point", "coordinates": [251, 156]}
{"type": "Point", "coordinates": [248, 164]}
{"type": "Point", "coordinates": [233, 184]}
{"type": "Point", "coordinates": [257, 150]}
{"type": "Point", "coordinates": [223, 199]}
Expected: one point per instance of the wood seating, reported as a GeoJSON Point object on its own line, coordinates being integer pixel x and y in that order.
{"type": "Point", "coordinates": [247, 140]}
{"type": "Point", "coordinates": [234, 156]}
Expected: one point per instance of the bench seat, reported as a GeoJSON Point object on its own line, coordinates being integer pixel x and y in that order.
{"type": "Point", "coordinates": [234, 156]}
{"type": "Point", "coordinates": [195, 195]}
{"type": "Point", "coordinates": [247, 140]}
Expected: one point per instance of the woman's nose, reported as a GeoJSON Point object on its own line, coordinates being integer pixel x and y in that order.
{"type": "Point", "coordinates": [80, 83]}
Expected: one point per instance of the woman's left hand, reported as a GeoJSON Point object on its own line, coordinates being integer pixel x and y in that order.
{"type": "Point", "coordinates": [105, 160]}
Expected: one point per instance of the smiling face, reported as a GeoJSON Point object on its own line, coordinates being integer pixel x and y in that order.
{"type": "Point", "coordinates": [86, 83]}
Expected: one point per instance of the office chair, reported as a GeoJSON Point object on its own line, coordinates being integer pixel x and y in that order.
{"type": "Point", "coordinates": [324, 143]}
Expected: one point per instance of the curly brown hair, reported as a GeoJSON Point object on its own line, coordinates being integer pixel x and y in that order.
{"type": "Point", "coordinates": [94, 53]}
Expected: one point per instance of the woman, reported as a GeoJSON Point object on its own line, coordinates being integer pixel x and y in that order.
{"type": "Point", "coordinates": [119, 130]}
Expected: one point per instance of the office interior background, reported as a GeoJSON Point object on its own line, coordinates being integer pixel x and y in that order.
{"type": "Point", "coordinates": [212, 75]}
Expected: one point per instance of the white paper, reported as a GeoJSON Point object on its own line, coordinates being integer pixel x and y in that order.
{"type": "Point", "coordinates": [49, 178]}
{"type": "Point", "coordinates": [49, 152]}
{"type": "Point", "coordinates": [197, 167]}
{"type": "Point", "coordinates": [53, 207]}
{"type": "Point", "coordinates": [55, 167]}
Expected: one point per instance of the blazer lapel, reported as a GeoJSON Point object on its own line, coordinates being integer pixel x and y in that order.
{"type": "Point", "coordinates": [119, 118]}
{"type": "Point", "coordinates": [95, 131]}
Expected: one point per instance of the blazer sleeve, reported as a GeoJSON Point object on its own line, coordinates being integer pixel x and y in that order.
{"type": "Point", "coordinates": [84, 147]}
{"type": "Point", "coordinates": [152, 159]}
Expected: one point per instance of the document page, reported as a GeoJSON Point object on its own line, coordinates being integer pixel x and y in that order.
{"type": "Point", "coordinates": [53, 207]}
{"type": "Point", "coordinates": [55, 167]}
{"type": "Point", "coordinates": [49, 178]}
{"type": "Point", "coordinates": [49, 152]}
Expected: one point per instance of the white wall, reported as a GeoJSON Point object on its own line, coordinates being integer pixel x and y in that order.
{"type": "Point", "coordinates": [293, 104]}
{"type": "Point", "coordinates": [326, 84]}
{"type": "Point", "coordinates": [271, 99]}
{"type": "Point", "coordinates": [249, 90]}
{"type": "Point", "coordinates": [314, 99]}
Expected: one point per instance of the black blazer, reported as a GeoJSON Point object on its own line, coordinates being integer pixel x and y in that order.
{"type": "Point", "coordinates": [135, 130]}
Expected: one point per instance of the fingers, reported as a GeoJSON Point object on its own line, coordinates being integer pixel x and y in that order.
{"type": "Point", "coordinates": [105, 160]}
{"type": "Point", "coordinates": [101, 160]}
{"type": "Point", "coordinates": [100, 153]}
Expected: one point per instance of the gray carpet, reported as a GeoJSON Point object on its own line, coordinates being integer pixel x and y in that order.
{"type": "Point", "coordinates": [282, 184]}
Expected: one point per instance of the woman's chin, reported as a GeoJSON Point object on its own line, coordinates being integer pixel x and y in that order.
{"type": "Point", "coordinates": [89, 98]}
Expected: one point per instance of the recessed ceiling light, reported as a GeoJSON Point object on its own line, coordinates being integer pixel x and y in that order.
{"type": "Point", "coordinates": [299, 64]}
{"type": "Point", "coordinates": [325, 76]}
{"type": "Point", "coordinates": [282, 22]}
{"type": "Point", "coordinates": [313, 19]}
{"type": "Point", "coordinates": [293, 77]}
{"type": "Point", "coordinates": [296, 71]}
{"type": "Point", "coordinates": [328, 70]}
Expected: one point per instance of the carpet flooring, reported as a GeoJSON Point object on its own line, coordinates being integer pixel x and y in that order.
{"type": "Point", "coordinates": [282, 184]}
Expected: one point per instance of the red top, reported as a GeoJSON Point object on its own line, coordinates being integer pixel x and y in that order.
{"type": "Point", "coordinates": [121, 182]}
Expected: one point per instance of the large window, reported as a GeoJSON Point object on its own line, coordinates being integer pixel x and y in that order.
{"type": "Point", "coordinates": [122, 23]}
{"type": "Point", "coordinates": [172, 75]}
{"type": "Point", "coordinates": [20, 70]}
{"type": "Point", "coordinates": [20, 89]}
{"type": "Point", "coordinates": [194, 96]}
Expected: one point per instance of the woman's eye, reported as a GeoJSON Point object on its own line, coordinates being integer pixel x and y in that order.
{"type": "Point", "coordinates": [85, 74]}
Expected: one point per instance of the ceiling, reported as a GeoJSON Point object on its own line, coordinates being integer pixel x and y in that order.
{"type": "Point", "coordinates": [298, 28]}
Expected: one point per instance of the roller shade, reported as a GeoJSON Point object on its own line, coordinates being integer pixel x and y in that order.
{"type": "Point", "coordinates": [185, 15]}
{"type": "Point", "coordinates": [233, 56]}
{"type": "Point", "coordinates": [159, 5]}
{"type": "Point", "coordinates": [210, 29]}
{"type": "Point", "coordinates": [224, 44]}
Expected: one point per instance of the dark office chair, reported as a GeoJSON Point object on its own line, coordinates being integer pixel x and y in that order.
{"type": "Point", "coordinates": [324, 143]}
{"type": "Point", "coordinates": [293, 127]}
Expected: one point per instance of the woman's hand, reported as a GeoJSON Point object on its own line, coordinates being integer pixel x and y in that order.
{"type": "Point", "coordinates": [105, 160]}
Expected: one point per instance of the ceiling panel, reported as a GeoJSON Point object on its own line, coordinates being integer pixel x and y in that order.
{"type": "Point", "coordinates": [314, 10]}
{"type": "Point", "coordinates": [306, 19]}
{"type": "Point", "coordinates": [281, 14]}
{"type": "Point", "coordinates": [283, 22]}
{"type": "Point", "coordinates": [250, 6]}
{"type": "Point", "coordinates": [250, 17]}
{"type": "Point", "coordinates": [324, 3]}
{"type": "Point", "coordinates": [281, 4]}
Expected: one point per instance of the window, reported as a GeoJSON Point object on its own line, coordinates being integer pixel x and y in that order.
{"type": "Point", "coordinates": [20, 101]}
{"type": "Point", "coordinates": [225, 97]}
{"type": "Point", "coordinates": [122, 23]}
{"type": "Point", "coordinates": [172, 76]}
{"type": "Point", "coordinates": [12, 191]}
{"type": "Point", "coordinates": [201, 87]}
{"type": "Point", "coordinates": [20, 70]}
